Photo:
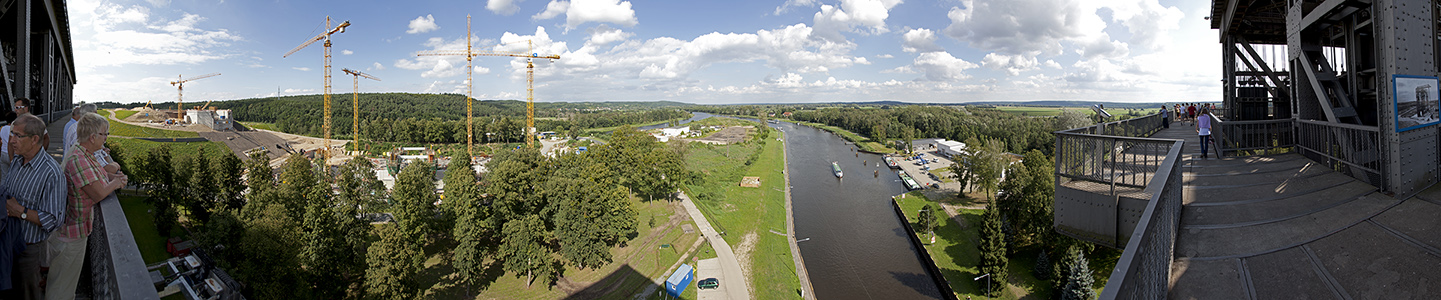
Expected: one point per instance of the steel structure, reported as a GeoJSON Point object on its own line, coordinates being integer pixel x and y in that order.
{"type": "Point", "coordinates": [326, 37]}
{"type": "Point", "coordinates": [355, 104]}
{"type": "Point", "coordinates": [1333, 64]}
{"type": "Point", "coordinates": [179, 84]}
{"type": "Point", "coordinates": [469, 54]}
{"type": "Point", "coordinates": [38, 61]}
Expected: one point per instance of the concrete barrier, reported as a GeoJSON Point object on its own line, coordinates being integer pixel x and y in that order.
{"type": "Point", "coordinates": [941, 282]}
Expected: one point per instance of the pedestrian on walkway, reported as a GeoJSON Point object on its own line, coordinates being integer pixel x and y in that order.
{"type": "Point", "coordinates": [1165, 117]}
{"type": "Point", "coordinates": [1203, 128]}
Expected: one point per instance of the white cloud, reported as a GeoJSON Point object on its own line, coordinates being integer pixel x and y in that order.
{"type": "Point", "coordinates": [302, 69]}
{"type": "Point", "coordinates": [601, 35]}
{"type": "Point", "coordinates": [108, 34]}
{"type": "Point", "coordinates": [503, 7]}
{"type": "Point", "coordinates": [158, 3]}
{"type": "Point", "coordinates": [885, 56]}
{"type": "Point", "coordinates": [377, 66]}
{"type": "Point", "coordinates": [941, 66]}
{"type": "Point", "coordinates": [795, 3]}
{"type": "Point", "coordinates": [553, 9]}
{"type": "Point", "coordinates": [872, 14]}
{"type": "Point", "coordinates": [347, 52]}
{"type": "Point", "coordinates": [1149, 23]}
{"type": "Point", "coordinates": [1012, 64]}
{"type": "Point", "coordinates": [1052, 64]}
{"type": "Point", "coordinates": [579, 12]}
{"type": "Point", "coordinates": [920, 40]}
{"type": "Point", "coordinates": [295, 91]}
{"type": "Point", "coordinates": [422, 24]}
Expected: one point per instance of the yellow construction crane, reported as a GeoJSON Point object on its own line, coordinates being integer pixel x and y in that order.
{"type": "Point", "coordinates": [324, 36]}
{"type": "Point", "coordinates": [179, 83]}
{"type": "Point", "coordinates": [470, 53]}
{"type": "Point", "coordinates": [355, 103]}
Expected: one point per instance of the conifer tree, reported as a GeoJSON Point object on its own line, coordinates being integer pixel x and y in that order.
{"type": "Point", "coordinates": [993, 249]}
{"type": "Point", "coordinates": [395, 263]}
{"type": "Point", "coordinates": [1078, 278]}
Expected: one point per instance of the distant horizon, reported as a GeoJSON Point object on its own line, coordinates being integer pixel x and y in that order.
{"type": "Point", "coordinates": [335, 95]}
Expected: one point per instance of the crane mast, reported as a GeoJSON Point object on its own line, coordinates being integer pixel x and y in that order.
{"type": "Point", "coordinates": [326, 37]}
{"type": "Point", "coordinates": [470, 53]}
{"type": "Point", "coordinates": [355, 105]}
{"type": "Point", "coordinates": [179, 84]}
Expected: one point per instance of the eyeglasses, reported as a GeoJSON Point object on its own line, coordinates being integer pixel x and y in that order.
{"type": "Point", "coordinates": [19, 106]}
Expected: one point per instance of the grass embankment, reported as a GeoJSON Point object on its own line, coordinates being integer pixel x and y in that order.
{"type": "Point", "coordinates": [957, 253]}
{"type": "Point", "coordinates": [865, 143]}
{"type": "Point", "coordinates": [126, 130]}
{"type": "Point", "coordinates": [602, 130]}
{"type": "Point", "coordinates": [627, 275]}
{"type": "Point", "coordinates": [742, 211]}
{"type": "Point", "coordinates": [133, 148]}
{"type": "Point", "coordinates": [122, 114]}
{"type": "Point", "coordinates": [260, 125]}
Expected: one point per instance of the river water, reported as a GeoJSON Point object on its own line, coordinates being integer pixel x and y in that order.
{"type": "Point", "coordinates": [857, 248]}
{"type": "Point", "coordinates": [854, 246]}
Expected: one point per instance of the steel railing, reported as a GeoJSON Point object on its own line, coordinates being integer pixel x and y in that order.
{"type": "Point", "coordinates": [1240, 138]}
{"type": "Point", "coordinates": [1117, 188]}
{"type": "Point", "coordinates": [1353, 150]}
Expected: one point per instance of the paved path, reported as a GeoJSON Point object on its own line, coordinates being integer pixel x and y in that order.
{"type": "Point", "coordinates": [1287, 227]}
{"type": "Point", "coordinates": [731, 277]}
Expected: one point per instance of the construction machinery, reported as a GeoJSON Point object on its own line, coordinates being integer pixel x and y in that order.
{"type": "Point", "coordinates": [355, 104]}
{"type": "Point", "coordinates": [470, 53]}
{"type": "Point", "coordinates": [326, 37]}
{"type": "Point", "coordinates": [179, 84]}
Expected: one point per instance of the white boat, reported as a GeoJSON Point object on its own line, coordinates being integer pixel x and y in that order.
{"type": "Point", "coordinates": [837, 168]}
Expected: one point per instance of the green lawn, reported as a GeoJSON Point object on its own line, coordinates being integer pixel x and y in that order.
{"type": "Point", "coordinates": [127, 130]}
{"type": "Point", "coordinates": [122, 114]}
{"type": "Point", "coordinates": [142, 227]}
{"type": "Point", "coordinates": [262, 125]}
{"type": "Point", "coordinates": [740, 210]}
{"type": "Point", "coordinates": [944, 173]}
{"type": "Point", "coordinates": [135, 148]}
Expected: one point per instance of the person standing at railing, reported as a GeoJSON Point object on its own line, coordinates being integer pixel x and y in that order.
{"type": "Point", "coordinates": [1165, 117]}
{"type": "Point", "coordinates": [1191, 113]}
{"type": "Point", "coordinates": [1203, 128]}
{"type": "Point", "coordinates": [89, 183]}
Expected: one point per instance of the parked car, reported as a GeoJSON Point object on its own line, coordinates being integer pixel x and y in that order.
{"type": "Point", "coordinates": [708, 283]}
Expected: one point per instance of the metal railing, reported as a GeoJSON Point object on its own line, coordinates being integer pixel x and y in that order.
{"type": "Point", "coordinates": [1239, 138]}
{"type": "Point", "coordinates": [117, 271]}
{"type": "Point", "coordinates": [1144, 270]}
{"type": "Point", "coordinates": [1118, 189]}
{"type": "Point", "coordinates": [1349, 149]}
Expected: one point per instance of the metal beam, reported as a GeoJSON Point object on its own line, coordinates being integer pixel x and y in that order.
{"type": "Point", "coordinates": [1321, 97]}
{"type": "Point", "coordinates": [1321, 11]}
{"type": "Point", "coordinates": [55, 28]}
{"type": "Point", "coordinates": [1264, 67]}
{"type": "Point", "coordinates": [1226, 19]}
{"type": "Point", "coordinates": [1269, 87]}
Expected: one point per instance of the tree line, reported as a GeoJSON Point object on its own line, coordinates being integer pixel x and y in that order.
{"type": "Point", "coordinates": [958, 123]}
{"type": "Point", "coordinates": [297, 232]}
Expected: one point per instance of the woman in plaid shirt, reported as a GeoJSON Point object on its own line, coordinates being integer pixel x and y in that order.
{"type": "Point", "coordinates": [88, 183]}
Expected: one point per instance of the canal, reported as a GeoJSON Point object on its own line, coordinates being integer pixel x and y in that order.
{"type": "Point", "coordinates": [857, 248]}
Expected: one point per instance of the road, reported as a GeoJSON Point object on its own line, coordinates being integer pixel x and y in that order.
{"type": "Point", "coordinates": [733, 281]}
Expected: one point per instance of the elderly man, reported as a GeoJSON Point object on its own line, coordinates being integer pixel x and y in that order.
{"type": "Point", "coordinates": [37, 196]}
{"type": "Point", "coordinates": [70, 137]}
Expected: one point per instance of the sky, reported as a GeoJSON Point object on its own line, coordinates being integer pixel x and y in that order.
{"type": "Point", "coordinates": [709, 52]}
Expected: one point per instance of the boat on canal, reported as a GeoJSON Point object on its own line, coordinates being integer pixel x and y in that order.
{"type": "Point", "coordinates": [836, 167]}
{"type": "Point", "coordinates": [910, 182]}
{"type": "Point", "coordinates": [891, 162]}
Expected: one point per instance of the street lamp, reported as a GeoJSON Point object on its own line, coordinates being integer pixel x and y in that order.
{"type": "Point", "coordinates": [988, 284]}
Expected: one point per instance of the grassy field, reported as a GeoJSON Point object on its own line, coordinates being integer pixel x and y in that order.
{"type": "Point", "coordinates": [741, 211]}
{"type": "Point", "coordinates": [1052, 111]}
{"type": "Point", "coordinates": [142, 227]}
{"type": "Point", "coordinates": [957, 254]}
{"type": "Point", "coordinates": [602, 130]}
{"type": "Point", "coordinates": [122, 114]}
{"type": "Point", "coordinates": [262, 125]}
{"type": "Point", "coordinates": [135, 148]}
{"type": "Point", "coordinates": [944, 173]}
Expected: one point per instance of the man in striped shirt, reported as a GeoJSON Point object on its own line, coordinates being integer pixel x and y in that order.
{"type": "Point", "coordinates": [37, 189]}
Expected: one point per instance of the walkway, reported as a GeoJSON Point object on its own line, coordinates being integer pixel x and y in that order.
{"type": "Point", "coordinates": [1286, 227]}
{"type": "Point", "coordinates": [732, 280]}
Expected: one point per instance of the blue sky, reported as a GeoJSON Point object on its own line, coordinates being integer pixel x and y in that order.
{"type": "Point", "coordinates": [715, 52]}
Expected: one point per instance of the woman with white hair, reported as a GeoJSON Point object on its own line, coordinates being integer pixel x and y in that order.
{"type": "Point", "coordinates": [88, 184]}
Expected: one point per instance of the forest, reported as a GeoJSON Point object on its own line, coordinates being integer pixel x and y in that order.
{"type": "Point", "coordinates": [438, 118]}
{"type": "Point", "coordinates": [957, 123]}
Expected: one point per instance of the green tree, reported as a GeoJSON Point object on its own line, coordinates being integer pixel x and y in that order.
{"type": "Point", "coordinates": [472, 230]}
{"type": "Point", "coordinates": [1072, 118]}
{"type": "Point", "coordinates": [1029, 198]}
{"type": "Point", "coordinates": [358, 187]}
{"type": "Point", "coordinates": [227, 182]}
{"type": "Point", "coordinates": [988, 164]}
{"type": "Point", "coordinates": [523, 249]}
{"type": "Point", "coordinates": [203, 189]}
{"type": "Point", "coordinates": [271, 250]}
{"type": "Point", "coordinates": [993, 249]}
{"type": "Point", "coordinates": [1077, 278]}
{"type": "Point", "coordinates": [156, 176]}
{"type": "Point", "coordinates": [928, 218]}
{"type": "Point", "coordinates": [592, 218]}
{"type": "Point", "coordinates": [414, 195]}
{"type": "Point", "coordinates": [395, 263]}
{"type": "Point", "coordinates": [222, 237]}
{"type": "Point", "coordinates": [323, 252]}
{"type": "Point", "coordinates": [299, 186]}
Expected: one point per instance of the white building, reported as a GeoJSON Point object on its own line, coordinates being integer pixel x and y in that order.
{"type": "Point", "coordinates": [951, 148]}
{"type": "Point", "coordinates": [677, 131]}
